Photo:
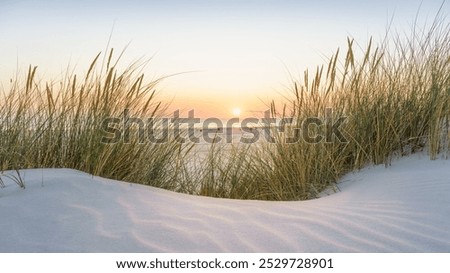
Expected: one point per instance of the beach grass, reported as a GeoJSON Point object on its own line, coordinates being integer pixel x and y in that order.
{"type": "Point", "coordinates": [393, 98]}
{"type": "Point", "coordinates": [60, 124]}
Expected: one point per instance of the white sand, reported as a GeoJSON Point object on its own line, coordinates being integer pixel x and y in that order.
{"type": "Point", "coordinates": [404, 208]}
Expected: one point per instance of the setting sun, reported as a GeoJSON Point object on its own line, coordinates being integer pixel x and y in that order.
{"type": "Point", "coordinates": [236, 112]}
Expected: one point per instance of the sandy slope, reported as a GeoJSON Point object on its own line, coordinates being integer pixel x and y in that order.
{"type": "Point", "coordinates": [404, 208]}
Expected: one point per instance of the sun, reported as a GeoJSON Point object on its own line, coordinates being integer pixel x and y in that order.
{"type": "Point", "coordinates": [236, 111]}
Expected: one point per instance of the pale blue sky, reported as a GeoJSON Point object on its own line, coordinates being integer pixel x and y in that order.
{"type": "Point", "coordinates": [240, 48]}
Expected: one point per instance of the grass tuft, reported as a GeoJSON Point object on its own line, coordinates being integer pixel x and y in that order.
{"type": "Point", "coordinates": [59, 125]}
{"type": "Point", "coordinates": [396, 100]}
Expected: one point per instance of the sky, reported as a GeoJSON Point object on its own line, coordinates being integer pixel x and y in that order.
{"type": "Point", "coordinates": [231, 54]}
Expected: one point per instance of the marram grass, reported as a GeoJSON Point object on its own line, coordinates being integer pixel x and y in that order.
{"type": "Point", "coordinates": [395, 96]}
{"type": "Point", "coordinates": [59, 125]}
{"type": "Point", "coordinates": [396, 100]}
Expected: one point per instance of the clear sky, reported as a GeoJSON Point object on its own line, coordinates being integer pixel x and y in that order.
{"type": "Point", "coordinates": [241, 51]}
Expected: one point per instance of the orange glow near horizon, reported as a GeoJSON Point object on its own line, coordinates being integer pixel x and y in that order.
{"type": "Point", "coordinates": [222, 109]}
{"type": "Point", "coordinates": [216, 102]}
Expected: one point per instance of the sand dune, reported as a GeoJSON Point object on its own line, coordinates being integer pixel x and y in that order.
{"type": "Point", "coordinates": [403, 208]}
